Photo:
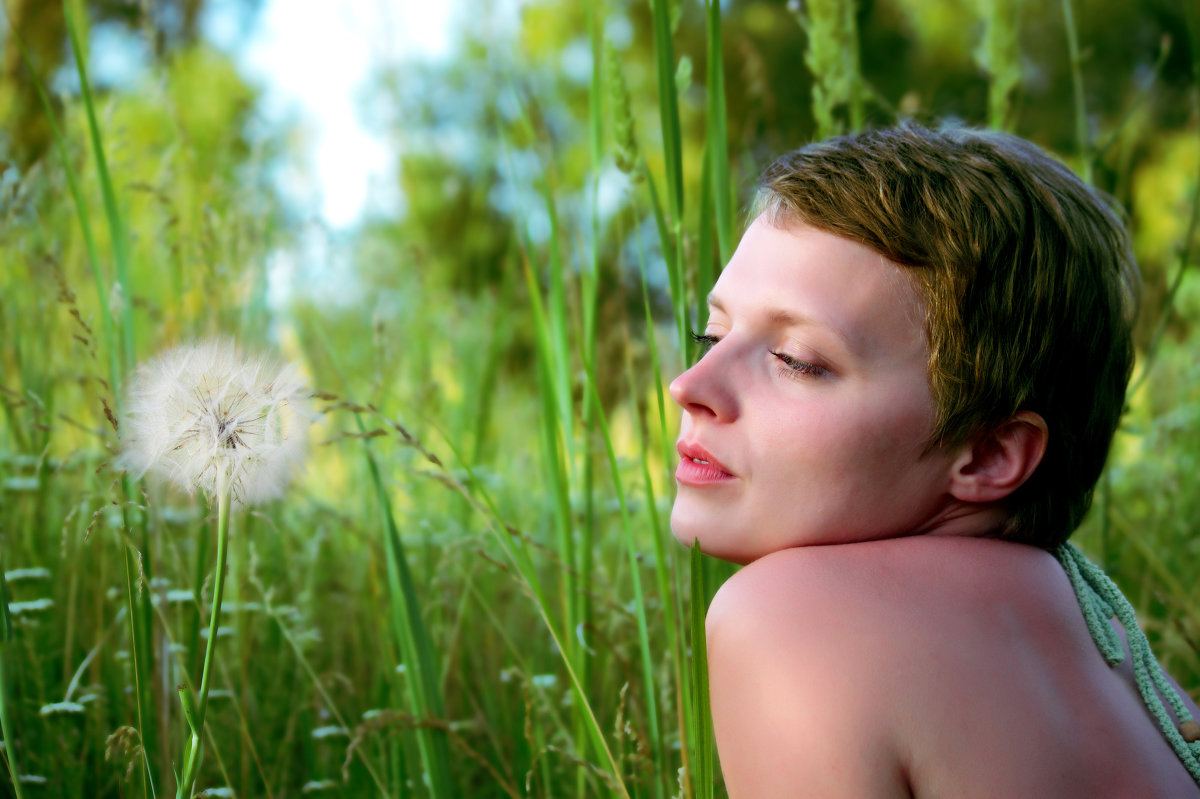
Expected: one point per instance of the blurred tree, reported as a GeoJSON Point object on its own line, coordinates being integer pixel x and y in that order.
{"type": "Point", "coordinates": [167, 25]}
{"type": "Point", "coordinates": [511, 110]}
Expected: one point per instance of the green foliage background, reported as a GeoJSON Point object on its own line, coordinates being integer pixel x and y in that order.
{"type": "Point", "coordinates": [504, 341]}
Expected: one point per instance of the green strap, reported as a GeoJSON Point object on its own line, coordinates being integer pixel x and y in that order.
{"type": "Point", "coordinates": [1101, 599]}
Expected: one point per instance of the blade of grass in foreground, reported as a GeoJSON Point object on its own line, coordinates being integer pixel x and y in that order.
{"type": "Point", "coordinates": [85, 223]}
{"type": "Point", "coordinates": [665, 577]}
{"type": "Point", "coordinates": [416, 647]}
{"type": "Point", "coordinates": [588, 297]}
{"type": "Point", "coordinates": [668, 107]}
{"type": "Point", "coordinates": [665, 565]}
{"type": "Point", "coordinates": [717, 156]}
{"type": "Point", "coordinates": [513, 544]}
{"type": "Point", "coordinates": [7, 728]}
{"type": "Point", "coordinates": [671, 232]}
{"type": "Point", "coordinates": [1082, 139]}
{"type": "Point", "coordinates": [542, 333]}
{"type": "Point", "coordinates": [112, 213]}
{"type": "Point", "coordinates": [653, 716]}
{"type": "Point", "coordinates": [702, 733]}
{"type": "Point", "coordinates": [559, 449]}
{"type": "Point", "coordinates": [141, 611]}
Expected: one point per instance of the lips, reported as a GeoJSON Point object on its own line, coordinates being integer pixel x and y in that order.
{"type": "Point", "coordinates": [698, 467]}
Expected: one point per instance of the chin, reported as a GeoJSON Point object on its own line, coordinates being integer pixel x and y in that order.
{"type": "Point", "coordinates": [688, 539]}
{"type": "Point", "coordinates": [716, 549]}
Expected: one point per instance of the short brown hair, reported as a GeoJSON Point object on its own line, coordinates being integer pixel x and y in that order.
{"type": "Point", "coordinates": [1029, 283]}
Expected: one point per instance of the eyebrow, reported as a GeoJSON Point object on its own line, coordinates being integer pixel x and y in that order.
{"type": "Point", "coordinates": [783, 316]}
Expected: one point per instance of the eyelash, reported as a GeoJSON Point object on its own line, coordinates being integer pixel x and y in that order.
{"type": "Point", "coordinates": [796, 368]}
{"type": "Point", "coordinates": [790, 367]}
{"type": "Point", "coordinates": [705, 341]}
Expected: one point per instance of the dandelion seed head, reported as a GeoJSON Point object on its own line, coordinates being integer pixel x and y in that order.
{"type": "Point", "coordinates": [197, 412]}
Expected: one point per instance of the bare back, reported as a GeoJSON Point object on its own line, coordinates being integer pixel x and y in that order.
{"type": "Point", "coordinates": [927, 667]}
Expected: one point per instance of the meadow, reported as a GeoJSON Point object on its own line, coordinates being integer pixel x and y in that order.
{"type": "Point", "coordinates": [471, 588]}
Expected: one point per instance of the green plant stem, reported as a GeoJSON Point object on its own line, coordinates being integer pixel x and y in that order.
{"type": "Point", "coordinates": [120, 242]}
{"type": "Point", "coordinates": [330, 705]}
{"type": "Point", "coordinates": [1081, 131]}
{"type": "Point", "coordinates": [138, 641]}
{"type": "Point", "coordinates": [702, 735]}
{"type": "Point", "coordinates": [85, 224]}
{"type": "Point", "coordinates": [670, 227]}
{"type": "Point", "coordinates": [192, 749]}
{"type": "Point", "coordinates": [412, 636]}
{"type": "Point", "coordinates": [6, 724]}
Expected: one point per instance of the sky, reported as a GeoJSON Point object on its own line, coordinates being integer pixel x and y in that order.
{"type": "Point", "coordinates": [313, 58]}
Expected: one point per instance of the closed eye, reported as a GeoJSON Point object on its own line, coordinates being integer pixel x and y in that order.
{"type": "Point", "coordinates": [705, 341]}
{"type": "Point", "coordinates": [796, 368]}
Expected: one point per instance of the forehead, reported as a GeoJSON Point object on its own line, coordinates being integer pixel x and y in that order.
{"type": "Point", "coordinates": [799, 276]}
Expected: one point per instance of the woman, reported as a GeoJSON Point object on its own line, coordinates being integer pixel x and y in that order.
{"type": "Point", "coordinates": [916, 361]}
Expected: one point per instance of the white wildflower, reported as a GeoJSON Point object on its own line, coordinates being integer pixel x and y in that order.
{"type": "Point", "coordinates": [16, 484]}
{"type": "Point", "coordinates": [330, 732]}
{"type": "Point", "coordinates": [222, 632]}
{"type": "Point", "coordinates": [198, 411]}
{"type": "Point", "coordinates": [314, 786]}
{"type": "Point", "coordinates": [17, 575]}
{"type": "Point", "coordinates": [544, 680]}
{"type": "Point", "coordinates": [32, 606]}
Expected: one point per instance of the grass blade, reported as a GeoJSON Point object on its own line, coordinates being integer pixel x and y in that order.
{"type": "Point", "coordinates": [116, 226]}
{"type": "Point", "coordinates": [717, 156]}
{"type": "Point", "coordinates": [416, 647]}
{"type": "Point", "coordinates": [702, 731]}
{"type": "Point", "coordinates": [7, 728]}
{"type": "Point", "coordinates": [1082, 139]}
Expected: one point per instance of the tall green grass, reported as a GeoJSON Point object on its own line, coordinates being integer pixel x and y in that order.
{"type": "Point", "coordinates": [473, 590]}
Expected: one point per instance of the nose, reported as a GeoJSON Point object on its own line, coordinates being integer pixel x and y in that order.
{"type": "Point", "coordinates": [706, 389]}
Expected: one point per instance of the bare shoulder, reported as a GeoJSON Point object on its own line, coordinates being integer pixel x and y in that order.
{"type": "Point", "coordinates": [798, 651]}
{"type": "Point", "coordinates": [890, 594]}
{"type": "Point", "coordinates": [922, 667]}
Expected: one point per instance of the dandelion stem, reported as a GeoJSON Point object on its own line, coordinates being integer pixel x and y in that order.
{"type": "Point", "coordinates": [192, 750]}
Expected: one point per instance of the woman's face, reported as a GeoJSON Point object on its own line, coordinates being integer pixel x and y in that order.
{"type": "Point", "coordinates": [807, 420]}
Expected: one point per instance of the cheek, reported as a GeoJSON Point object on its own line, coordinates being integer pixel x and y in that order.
{"type": "Point", "coordinates": [872, 436]}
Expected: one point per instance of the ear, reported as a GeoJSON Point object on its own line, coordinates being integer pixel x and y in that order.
{"type": "Point", "coordinates": [1000, 461]}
